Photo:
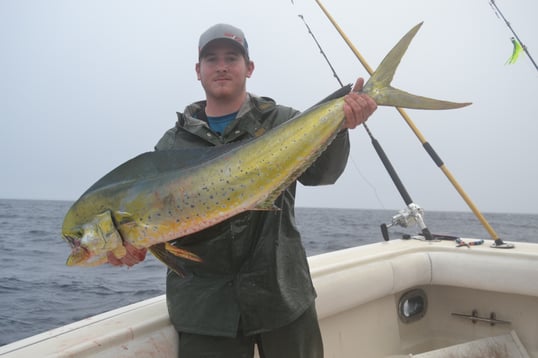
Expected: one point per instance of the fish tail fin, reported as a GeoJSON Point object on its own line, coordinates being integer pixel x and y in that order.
{"type": "Point", "coordinates": [168, 255]}
{"type": "Point", "coordinates": [379, 85]}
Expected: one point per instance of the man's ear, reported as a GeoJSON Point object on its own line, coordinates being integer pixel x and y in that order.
{"type": "Point", "coordinates": [197, 69]}
{"type": "Point", "coordinates": [250, 68]}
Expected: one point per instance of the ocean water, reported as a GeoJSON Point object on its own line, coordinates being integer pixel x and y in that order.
{"type": "Point", "coordinates": [38, 292]}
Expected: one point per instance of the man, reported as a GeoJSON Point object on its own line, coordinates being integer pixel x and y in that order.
{"type": "Point", "coordinates": [254, 285]}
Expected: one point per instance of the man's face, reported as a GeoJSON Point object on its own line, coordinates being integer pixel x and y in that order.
{"type": "Point", "coordinates": [223, 70]}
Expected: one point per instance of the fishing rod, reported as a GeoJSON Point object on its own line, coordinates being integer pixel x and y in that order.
{"type": "Point", "coordinates": [499, 13]}
{"type": "Point", "coordinates": [413, 213]}
{"type": "Point", "coordinates": [499, 243]}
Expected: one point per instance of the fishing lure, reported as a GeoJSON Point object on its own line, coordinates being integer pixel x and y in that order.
{"type": "Point", "coordinates": [516, 51]}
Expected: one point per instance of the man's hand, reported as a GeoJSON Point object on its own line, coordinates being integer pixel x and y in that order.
{"type": "Point", "coordinates": [132, 257]}
{"type": "Point", "coordinates": [358, 107]}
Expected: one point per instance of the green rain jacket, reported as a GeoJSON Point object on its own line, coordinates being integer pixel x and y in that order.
{"type": "Point", "coordinates": [254, 276]}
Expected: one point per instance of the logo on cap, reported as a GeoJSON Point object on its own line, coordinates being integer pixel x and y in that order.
{"type": "Point", "coordinates": [234, 37]}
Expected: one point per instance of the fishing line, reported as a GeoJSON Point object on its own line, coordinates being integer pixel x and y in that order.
{"type": "Point", "coordinates": [415, 213]}
{"type": "Point", "coordinates": [321, 50]}
{"type": "Point", "coordinates": [500, 15]}
{"type": "Point", "coordinates": [335, 75]}
{"type": "Point", "coordinates": [372, 187]}
{"type": "Point", "coordinates": [429, 149]}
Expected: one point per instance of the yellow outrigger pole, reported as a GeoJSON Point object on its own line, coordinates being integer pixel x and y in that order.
{"type": "Point", "coordinates": [429, 149]}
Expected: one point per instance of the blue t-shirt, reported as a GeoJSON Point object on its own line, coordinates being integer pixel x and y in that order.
{"type": "Point", "coordinates": [218, 124]}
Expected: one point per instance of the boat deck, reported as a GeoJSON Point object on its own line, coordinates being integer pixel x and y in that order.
{"type": "Point", "coordinates": [359, 291]}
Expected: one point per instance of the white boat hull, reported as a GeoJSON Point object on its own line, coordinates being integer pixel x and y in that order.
{"type": "Point", "coordinates": [359, 290]}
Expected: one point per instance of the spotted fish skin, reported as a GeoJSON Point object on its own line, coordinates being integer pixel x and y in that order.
{"type": "Point", "coordinates": [171, 204]}
{"type": "Point", "coordinates": [161, 196]}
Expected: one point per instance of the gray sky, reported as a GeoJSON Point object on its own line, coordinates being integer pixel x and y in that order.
{"type": "Point", "coordinates": [86, 85]}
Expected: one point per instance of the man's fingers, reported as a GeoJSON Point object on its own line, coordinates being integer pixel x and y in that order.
{"type": "Point", "coordinates": [132, 256]}
{"type": "Point", "coordinates": [113, 260]}
{"type": "Point", "coordinates": [358, 85]}
{"type": "Point", "coordinates": [135, 255]}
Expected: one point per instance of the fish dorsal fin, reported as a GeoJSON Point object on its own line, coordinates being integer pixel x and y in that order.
{"type": "Point", "coordinates": [151, 164]}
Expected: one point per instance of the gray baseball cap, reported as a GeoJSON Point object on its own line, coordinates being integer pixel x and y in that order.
{"type": "Point", "coordinates": [223, 31]}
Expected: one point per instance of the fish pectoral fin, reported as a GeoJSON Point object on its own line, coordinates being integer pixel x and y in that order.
{"type": "Point", "coordinates": [168, 254]}
{"type": "Point", "coordinates": [390, 96]}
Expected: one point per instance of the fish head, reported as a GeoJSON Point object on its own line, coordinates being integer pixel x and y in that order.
{"type": "Point", "coordinates": [91, 241]}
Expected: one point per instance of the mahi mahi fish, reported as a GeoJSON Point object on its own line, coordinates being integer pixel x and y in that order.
{"type": "Point", "coordinates": [160, 196]}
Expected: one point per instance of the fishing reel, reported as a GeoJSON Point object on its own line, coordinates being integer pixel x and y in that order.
{"type": "Point", "coordinates": [413, 214]}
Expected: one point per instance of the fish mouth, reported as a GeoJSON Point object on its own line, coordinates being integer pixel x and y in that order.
{"type": "Point", "coordinates": [79, 254]}
{"type": "Point", "coordinates": [73, 242]}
